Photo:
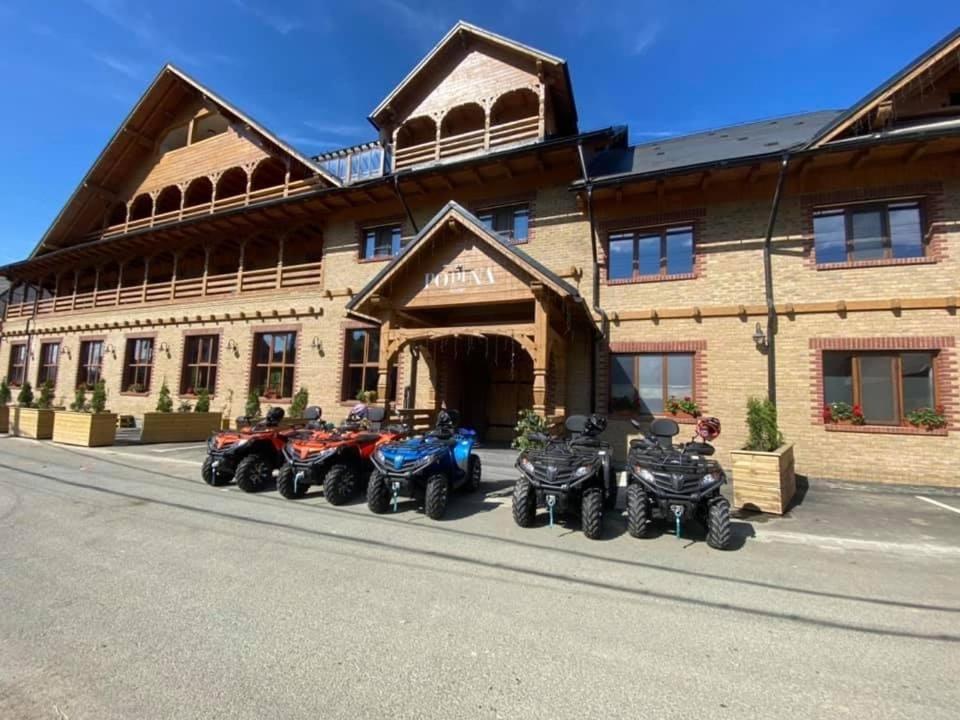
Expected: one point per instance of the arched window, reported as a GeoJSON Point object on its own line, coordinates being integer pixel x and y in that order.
{"type": "Point", "coordinates": [462, 119]}
{"type": "Point", "coordinates": [233, 183]}
{"type": "Point", "coordinates": [168, 200]}
{"type": "Point", "coordinates": [416, 131]}
{"type": "Point", "coordinates": [141, 208]}
{"type": "Point", "coordinates": [117, 215]}
{"type": "Point", "coordinates": [515, 105]}
{"type": "Point", "coordinates": [207, 126]}
{"type": "Point", "coordinates": [270, 172]}
{"type": "Point", "coordinates": [199, 192]}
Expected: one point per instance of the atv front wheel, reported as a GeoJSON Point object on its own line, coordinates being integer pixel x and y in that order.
{"type": "Point", "coordinates": [473, 473]}
{"type": "Point", "coordinates": [591, 513]}
{"type": "Point", "coordinates": [211, 476]}
{"type": "Point", "coordinates": [718, 524]}
{"type": "Point", "coordinates": [435, 502]}
{"type": "Point", "coordinates": [340, 483]}
{"type": "Point", "coordinates": [524, 503]}
{"type": "Point", "coordinates": [289, 486]}
{"type": "Point", "coordinates": [638, 512]}
{"type": "Point", "coordinates": [378, 495]}
{"type": "Point", "coordinates": [253, 473]}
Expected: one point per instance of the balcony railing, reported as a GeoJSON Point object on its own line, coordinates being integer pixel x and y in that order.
{"type": "Point", "coordinates": [274, 278]}
{"type": "Point", "coordinates": [507, 133]}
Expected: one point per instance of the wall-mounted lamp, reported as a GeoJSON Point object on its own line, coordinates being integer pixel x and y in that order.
{"type": "Point", "coordinates": [232, 345]}
{"type": "Point", "coordinates": [65, 351]}
{"type": "Point", "coordinates": [164, 347]}
{"type": "Point", "coordinates": [759, 339]}
{"type": "Point", "coordinates": [109, 348]}
{"type": "Point", "coordinates": [317, 344]}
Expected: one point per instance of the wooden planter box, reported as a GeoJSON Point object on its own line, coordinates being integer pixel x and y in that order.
{"type": "Point", "coordinates": [32, 423]}
{"type": "Point", "coordinates": [764, 481]}
{"type": "Point", "coordinates": [178, 427]}
{"type": "Point", "coordinates": [4, 419]}
{"type": "Point", "coordinates": [87, 429]}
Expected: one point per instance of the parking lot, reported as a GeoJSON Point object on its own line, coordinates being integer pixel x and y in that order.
{"type": "Point", "coordinates": [131, 589]}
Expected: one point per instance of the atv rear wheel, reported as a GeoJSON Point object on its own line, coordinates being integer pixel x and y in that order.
{"type": "Point", "coordinates": [435, 502]}
{"type": "Point", "coordinates": [524, 503]}
{"type": "Point", "coordinates": [474, 470]}
{"type": "Point", "coordinates": [253, 473]}
{"type": "Point", "coordinates": [591, 513]}
{"type": "Point", "coordinates": [340, 483]}
{"type": "Point", "coordinates": [638, 512]}
{"type": "Point", "coordinates": [378, 495]}
{"type": "Point", "coordinates": [211, 476]}
{"type": "Point", "coordinates": [718, 524]}
{"type": "Point", "coordinates": [288, 485]}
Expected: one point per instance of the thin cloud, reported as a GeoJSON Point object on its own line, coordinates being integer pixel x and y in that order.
{"type": "Point", "coordinates": [142, 26]}
{"type": "Point", "coordinates": [308, 141]}
{"type": "Point", "coordinates": [423, 22]}
{"type": "Point", "coordinates": [279, 23]}
{"type": "Point", "coordinates": [645, 38]}
{"type": "Point", "coordinates": [121, 66]}
{"type": "Point", "coordinates": [338, 129]}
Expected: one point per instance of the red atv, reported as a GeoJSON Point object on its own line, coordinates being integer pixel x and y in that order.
{"type": "Point", "coordinates": [337, 458]}
{"type": "Point", "coordinates": [248, 454]}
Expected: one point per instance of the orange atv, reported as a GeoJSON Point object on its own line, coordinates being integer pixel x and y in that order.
{"type": "Point", "coordinates": [250, 453]}
{"type": "Point", "coordinates": [338, 459]}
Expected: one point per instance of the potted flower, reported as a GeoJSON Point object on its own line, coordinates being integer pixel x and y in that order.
{"type": "Point", "coordinates": [928, 418]}
{"type": "Point", "coordinates": [687, 406]}
{"type": "Point", "coordinates": [763, 471]}
{"type": "Point", "coordinates": [5, 397]}
{"type": "Point", "coordinates": [165, 426]}
{"type": "Point", "coordinates": [299, 404]}
{"type": "Point", "coordinates": [34, 418]}
{"type": "Point", "coordinates": [842, 413]}
{"type": "Point", "coordinates": [86, 423]}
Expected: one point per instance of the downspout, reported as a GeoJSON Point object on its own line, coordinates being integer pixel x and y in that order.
{"type": "Point", "coordinates": [595, 299]}
{"type": "Point", "coordinates": [768, 283]}
{"type": "Point", "coordinates": [30, 320]}
{"type": "Point", "coordinates": [403, 201]}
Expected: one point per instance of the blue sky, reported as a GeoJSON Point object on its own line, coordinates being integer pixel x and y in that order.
{"type": "Point", "coordinates": [311, 70]}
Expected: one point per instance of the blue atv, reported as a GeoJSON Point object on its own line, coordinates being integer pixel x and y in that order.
{"type": "Point", "coordinates": [426, 468]}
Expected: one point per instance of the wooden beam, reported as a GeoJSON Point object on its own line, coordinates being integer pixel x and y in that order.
{"type": "Point", "coordinates": [139, 137]}
{"type": "Point", "coordinates": [859, 159]}
{"type": "Point", "coordinates": [915, 152]}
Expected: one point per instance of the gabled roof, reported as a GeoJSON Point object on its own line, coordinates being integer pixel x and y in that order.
{"type": "Point", "coordinates": [455, 211]}
{"type": "Point", "coordinates": [939, 52]}
{"type": "Point", "coordinates": [464, 28]}
{"type": "Point", "coordinates": [713, 147]}
{"type": "Point", "coordinates": [141, 127]}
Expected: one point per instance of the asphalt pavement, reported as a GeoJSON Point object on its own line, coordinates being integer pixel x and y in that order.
{"type": "Point", "coordinates": [128, 588]}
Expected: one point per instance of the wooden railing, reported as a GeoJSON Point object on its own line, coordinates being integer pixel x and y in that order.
{"type": "Point", "coordinates": [294, 187]}
{"type": "Point", "coordinates": [473, 141]}
{"type": "Point", "coordinates": [273, 278]}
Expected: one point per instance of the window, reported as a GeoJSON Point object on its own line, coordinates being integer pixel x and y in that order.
{"type": "Point", "coordinates": [91, 363]}
{"type": "Point", "coordinates": [362, 361]}
{"type": "Point", "coordinates": [641, 384]}
{"type": "Point", "coordinates": [18, 364]}
{"type": "Point", "coordinates": [49, 359]}
{"type": "Point", "coordinates": [512, 221]}
{"type": "Point", "coordinates": [200, 354]}
{"type": "Point", "coordinates": [174, 139]}
{"type": "Point", "coordinates": [138, 365]}
{"type": "Point", "coordinates": [274, 361]}
{"type": "Point", "coordinates": [868, 232]}
{"type": "Point", "coordinates": [381, 242]}
{"type": "Point", "coordinates": [207, 126]}
{"type": "Point", "coordinates": [638, 254]}
{"type": "Point", "coordinates": [886, 385]}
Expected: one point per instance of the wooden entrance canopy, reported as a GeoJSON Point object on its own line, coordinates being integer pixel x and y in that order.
{"type": "Point", "coordinates": [458, 278]}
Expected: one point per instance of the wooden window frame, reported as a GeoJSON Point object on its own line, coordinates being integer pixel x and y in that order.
{"type": "Point", "coordinates": [692, 354]}
{"type": "Point", "coordinates": [127, 381]}
{"type": "Point", "coordinates": [187, 365]}
{"type": "Point", "coordinates": [366, 365]}
{"type": "Point", "coordinates": [365, 229]}
{"type": "Point", "coordinates": [83, 367]}
{"type": "Point", "coordinates": [664, 232]}
{"type": "Point", "coordinates": [284, 366]}
{"type": "Point", "coordinates": [883, 206]}
{"type": "Point", "coordinates": [22, 365]}
{"type": "Point", "coordinates": [492, 209]}
{"type": "Point", "coordinates": [43, 367]}
{"type": "Point", "coordinates": [896, 371]}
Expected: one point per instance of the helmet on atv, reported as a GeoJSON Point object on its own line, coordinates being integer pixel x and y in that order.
{"type": "Point", "coordinates": [274, 416]}
{"type": "Point", "coordinates": [708, 428]}
{"type": "Point", "coordinates": [447, 419]}
{"type": "Point", "coordinates": [358, 413]}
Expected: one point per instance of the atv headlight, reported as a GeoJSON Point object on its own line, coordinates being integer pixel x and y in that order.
{"type": "Point", "coordinates": [643, 473]}
{"type": "Point", "coordinates": [708, 479]}
{"type": "Point", "coordinates": [380, 458]}
{"type": "Point", "coordinates": [242, 442]}
{"type": "Point", "coordinates": [526, 465]}
{"type": "Point", "coordinates": [582, 471]}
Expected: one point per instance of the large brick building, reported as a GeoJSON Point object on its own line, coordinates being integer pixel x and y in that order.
{"type": "Point", "coordinates": [486, 252]}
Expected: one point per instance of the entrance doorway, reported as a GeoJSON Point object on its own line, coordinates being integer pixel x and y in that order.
{"type": "Point", "coordinates": [489, 380]}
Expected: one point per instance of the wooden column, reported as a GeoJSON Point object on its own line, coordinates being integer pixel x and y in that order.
{"type": "Point", "coordinates": [116, 296]}
{"type": "Point", "coordinates": [286, 177]}
{"type": "Point", "coordinates": [487, 107]}
{"type": "Point", "coordinates": [206, 269]}
{"type": "Point", "coordinates": [146, 279]}
{"type": "Point", "coordinates": [541, 322]}
{"type": "Point", "coordinates": [541, 112]}
{"type": "Point", "coordinates": [436, 148]}
{"type": "Point", "coordinates": [243, 248]}
{"type": "Point", "coordinates": [173, 276]}
{"type": "Point", "coordinates": [76, 284]}
{"type": "Point", "coordinates": [96, 286]}
{"type": "Point", "coordinates": [279, 280]}
{"type": "Point", "coordinates": [383, 368]}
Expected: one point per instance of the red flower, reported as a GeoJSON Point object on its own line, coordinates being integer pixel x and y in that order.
{"type": "Point", "coordinates": [827, 414]}
{"type": "Point", "coordinates": [686, 398]}
{"type": "Point", "coordinates": [940, 409]}
{"type": "Point", "coordinates": [857, 411]}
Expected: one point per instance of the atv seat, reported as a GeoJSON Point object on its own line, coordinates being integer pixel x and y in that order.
{"type": "Point", "coordinates": [664, 429]}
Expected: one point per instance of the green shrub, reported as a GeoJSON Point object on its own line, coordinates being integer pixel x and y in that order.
{"type": "Point", "coordinates": [203, 401]}
{"type": "Point", "coordinates": [184, 406]}
{"type": "Point", "coordinates": [367, 396]}
{"type": "Point", "coordinates": [5, 394]}
{"type": "Point", "coordinates": [528, 422]}
{"type": "Point", "coordinates": [25, 396]}
{"type": "Point", "coordinates": [763, 435]}
{"type": "Point", "coordinates": [299, 403]}
{"type": "Point", "coordinates": [252, 408]}
{"type": "Point", "coordinates": [164, 401]}
{"type": "Point", "coordinates": [98, 401]}
{"type": "Point", "coordinates": [46, 396]}
{"type": "Point", "coordinates": [79, 403]}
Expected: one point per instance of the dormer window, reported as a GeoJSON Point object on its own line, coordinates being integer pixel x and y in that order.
{"type": "Point", "coordinates": [174, 139]}
{"type": "Point", "coordinates": [207, 126]}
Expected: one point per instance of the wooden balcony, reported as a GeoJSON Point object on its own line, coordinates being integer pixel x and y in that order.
{"type": "Point", "coordinates": [274, 278]}
{"type": "Point", "coordinates": [522, 130]}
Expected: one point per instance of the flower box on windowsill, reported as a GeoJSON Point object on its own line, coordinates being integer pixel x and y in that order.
{"type": "Point", "coordinates": [85, 429]}
{"type": "Point", "coordinates": [4, 418]}
{"type": "Point", "coordinates": [32, 423]}
{"type": "Point", "coordinates": [884, 429]}
{"type": "Point", "coordinates": [764, 481]}
{"type": "Point", "coordinates": [170, 427]}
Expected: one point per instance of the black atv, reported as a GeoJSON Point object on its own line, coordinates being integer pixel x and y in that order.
{"type": "Point", "coordinates": [673, 482]}
{"type": "Point", "coordinates": [569, 475]}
